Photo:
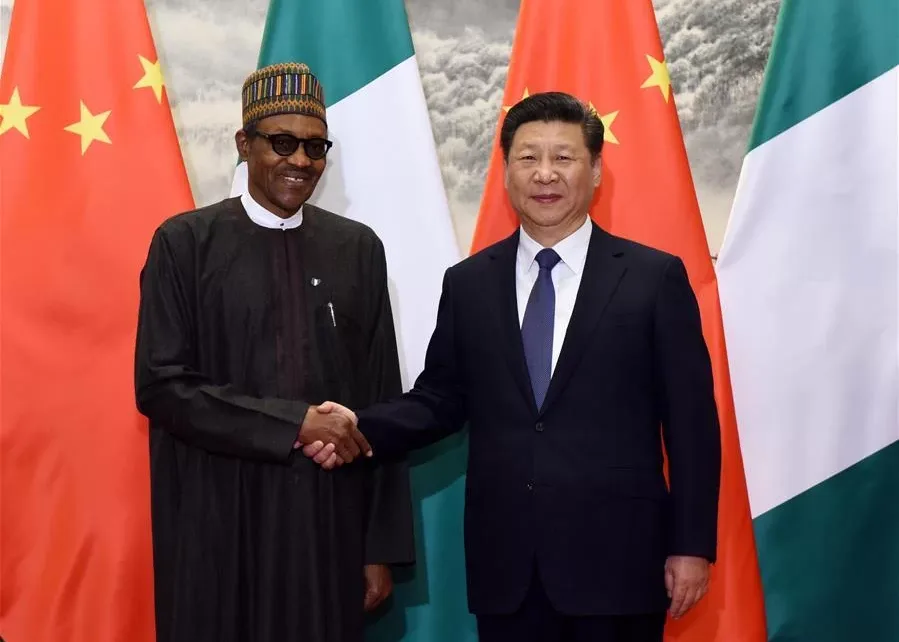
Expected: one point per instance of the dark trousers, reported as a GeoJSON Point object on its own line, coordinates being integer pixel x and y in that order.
{"type": "Point", "coordinates": [537, 621]}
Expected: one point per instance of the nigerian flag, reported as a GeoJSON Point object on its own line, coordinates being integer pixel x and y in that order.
{"type": "Point", "coordinates": [809, 284]}
{"type": "Point", "coordinates": [383, 172]}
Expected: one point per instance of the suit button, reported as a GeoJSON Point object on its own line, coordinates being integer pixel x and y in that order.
{"type": "Point", "coordinates": [539, 426]}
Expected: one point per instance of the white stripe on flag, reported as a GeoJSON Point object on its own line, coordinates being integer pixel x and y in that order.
{"type": "Point", "coordinates": [808, 278]}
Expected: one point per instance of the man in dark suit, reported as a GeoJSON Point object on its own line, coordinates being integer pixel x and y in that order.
{"type": "Point", "coordinates": [573, 355]}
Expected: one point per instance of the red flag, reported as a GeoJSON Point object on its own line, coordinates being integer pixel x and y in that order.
{"type": "Point", "coordinates": [89, 166]}
{"type": "Point", "coordinates": [609, 54]}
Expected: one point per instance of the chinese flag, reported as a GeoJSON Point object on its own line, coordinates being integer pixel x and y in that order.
{"type": "Point", "coordinates": [609, 54]}
{"type": "Point", "coordinates": [89, 166]}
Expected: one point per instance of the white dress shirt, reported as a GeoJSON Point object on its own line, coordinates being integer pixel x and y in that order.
{"type": "Point", "coordinates": [262, 217]}
{"type": "Point", "coordinates": [566, 276]}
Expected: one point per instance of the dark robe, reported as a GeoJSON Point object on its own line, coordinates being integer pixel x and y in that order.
{"type": "Point", "coordinates": [241, 328]}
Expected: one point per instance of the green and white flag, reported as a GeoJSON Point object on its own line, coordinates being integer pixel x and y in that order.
{"type": "Point", "coordinates": [809, 284]}
{"type": "Point", "coordinates": [383, 171]}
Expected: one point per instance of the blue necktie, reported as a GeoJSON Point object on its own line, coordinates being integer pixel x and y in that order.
{"type": "Point", "coordinates": [537, 327]}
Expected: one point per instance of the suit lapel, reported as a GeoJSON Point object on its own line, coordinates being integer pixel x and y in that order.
{"type": "Point", "coordinates": [602, 273]}
{"type": "Point", "coordinates": [504, 255]}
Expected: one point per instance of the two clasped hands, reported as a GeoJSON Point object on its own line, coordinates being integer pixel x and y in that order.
{"type": "Point", "coordinates": [330, 436]}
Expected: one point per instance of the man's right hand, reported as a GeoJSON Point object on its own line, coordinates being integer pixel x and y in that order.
{"type": "Point", "coordinates": [334, 428]}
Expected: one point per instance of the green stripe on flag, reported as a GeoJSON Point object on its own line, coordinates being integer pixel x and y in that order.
{"type": "Point", "coordinates": [346, 43]}
{"type": "Point", "coordinates": [816, 59]}
{"type": "Point", "coordinates": [830, 557]}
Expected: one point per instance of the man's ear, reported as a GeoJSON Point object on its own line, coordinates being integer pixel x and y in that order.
{"type": "Point", "coordinates": [242, 142]}
{"type": "Point", "coordinates": [597, 171]}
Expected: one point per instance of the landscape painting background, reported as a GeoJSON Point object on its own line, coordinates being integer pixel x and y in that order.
{"type": "Point", "coordinates": [716, 52]}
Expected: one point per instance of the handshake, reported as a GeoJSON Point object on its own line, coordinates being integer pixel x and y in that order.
{"type": "Point", "coordinates": [330, 436]}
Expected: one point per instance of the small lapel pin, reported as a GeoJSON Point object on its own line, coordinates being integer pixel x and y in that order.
{"type": "Point", "coordinates": [315, 281]}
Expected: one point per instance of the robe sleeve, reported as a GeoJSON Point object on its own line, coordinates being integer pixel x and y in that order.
{"type": "Point", "coordinates": [389, 537]}
{"type": "Point", "coordinates": [175, 396]}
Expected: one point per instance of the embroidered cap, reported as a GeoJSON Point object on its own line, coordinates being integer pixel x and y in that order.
{"type": "Point", "coordinates": [282, 88]}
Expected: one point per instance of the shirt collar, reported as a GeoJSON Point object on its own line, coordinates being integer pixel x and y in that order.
{"type": "Point", "coordinates": [262, 217]}
{"type": "Point", "coordinates": [572, 249]}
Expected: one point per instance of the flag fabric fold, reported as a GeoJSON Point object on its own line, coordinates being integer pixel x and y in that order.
{"type": "Point", "coordinates": [809, 279]}
{"type": "Point", "coordinates": [89, 167]}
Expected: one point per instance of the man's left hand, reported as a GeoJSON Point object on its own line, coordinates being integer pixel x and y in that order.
{"type": "Point", "coordinates": [322, 454]}
{"type": "Point", "coordinates": [378, 585]}
{"type": "Point", "coordinates": [687, 580]}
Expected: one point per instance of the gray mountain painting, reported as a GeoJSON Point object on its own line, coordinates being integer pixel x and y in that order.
{"type": "Point", "coordinates": [716, 52]}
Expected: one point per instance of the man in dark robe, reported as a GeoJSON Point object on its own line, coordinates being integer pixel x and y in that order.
{"type": "Point", "coordinates": [253, 311]}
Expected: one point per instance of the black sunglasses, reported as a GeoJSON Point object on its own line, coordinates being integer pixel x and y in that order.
{"type": "Point", "coordinates": [287, 144]}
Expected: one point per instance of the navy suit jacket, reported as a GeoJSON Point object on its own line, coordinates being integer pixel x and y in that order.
{"type": "Point", "coordinates": [576, 487]}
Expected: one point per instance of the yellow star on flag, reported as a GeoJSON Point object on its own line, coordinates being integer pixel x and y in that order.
{"type": "Point", "coordinates": [15, 114]}
{"type": "Point", "coordinates": [526, 94]}
{"type": "Point", "coordinates": [152, 77]}
{"type": "Point", "coordinates": [607, 121]}
{"type": "Point", "coordinates": [90, 128]}
{"type": "Point", "coordinates": [659, 77]}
